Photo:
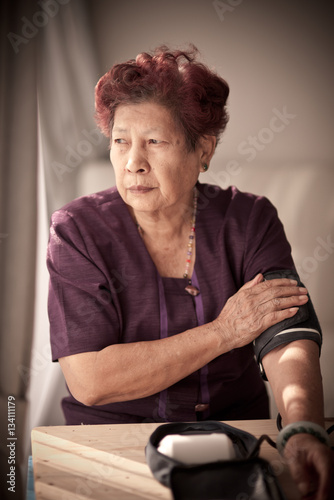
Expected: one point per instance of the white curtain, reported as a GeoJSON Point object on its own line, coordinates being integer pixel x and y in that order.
{"type": "Point", "coordinates": [69, 139]}
{"type": "Point", "coordinates": [67, 76]}
{"type": "Point", "coordinates": [48, 133]}
{"type": "Point", "coordinates": [18, 216]}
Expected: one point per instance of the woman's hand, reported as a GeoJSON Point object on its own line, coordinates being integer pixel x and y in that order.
{"type": "Point", "coordinates": [311, 465]}
{"type": "Point", "coordinates": [257, 306]}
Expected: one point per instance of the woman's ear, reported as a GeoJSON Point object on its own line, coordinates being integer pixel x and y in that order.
{"type": "Point", "coordinates": [206, 147]}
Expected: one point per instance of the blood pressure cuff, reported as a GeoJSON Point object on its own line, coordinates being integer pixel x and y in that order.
{"type": "Point", "coordinates": [246, 476]}
{"type": "Point", "coordinates": [303, 325]}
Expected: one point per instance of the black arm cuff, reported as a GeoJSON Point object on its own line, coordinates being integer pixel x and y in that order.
{"type": "Point", "coordinates": [303, 325]}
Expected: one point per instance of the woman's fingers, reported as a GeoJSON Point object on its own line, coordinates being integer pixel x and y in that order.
{"type": "Point", "coordinates": [265, 284]}
{"type": "Point", "coordinates": [257, 306]}
{"type": "Point", "coordinates": [265, 321]}
{"type": "Point", "coordinates": [276, 287]}
{"type": "Point", "coordinates": [311, 464]}
{"type": "Point", "coordinates": [283, 300]}
{"type": "Point", "coordinates": [275, 294]}
{"type": "Point", "coordinates": [273, 301]}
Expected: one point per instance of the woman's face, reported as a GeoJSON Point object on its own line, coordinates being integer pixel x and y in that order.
{"type": "Point", "coordinates": [154, 170]}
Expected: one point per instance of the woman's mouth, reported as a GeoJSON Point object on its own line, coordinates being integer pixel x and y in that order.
{"type": "Point", "coordinates": [140, 189]}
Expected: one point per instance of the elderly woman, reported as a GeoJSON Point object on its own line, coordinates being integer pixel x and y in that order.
{"type": "Point", "coordinates": [172, 300]}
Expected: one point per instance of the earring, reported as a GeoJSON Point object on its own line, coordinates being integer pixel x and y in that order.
{"type": "Point", "coordinates": [205, 167]}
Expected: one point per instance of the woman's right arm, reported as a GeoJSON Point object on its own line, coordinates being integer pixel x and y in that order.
{"type": "Point", "coordinates": [122, 372]}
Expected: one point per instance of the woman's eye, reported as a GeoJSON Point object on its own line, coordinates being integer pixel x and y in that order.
{"type": "Point", "coordinates": [154, 141]}
{"type": "Point", "coordinates": [119, 141]}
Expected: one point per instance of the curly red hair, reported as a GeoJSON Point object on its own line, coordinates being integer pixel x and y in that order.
{"type": "Point", "coordinates": [194, 94]}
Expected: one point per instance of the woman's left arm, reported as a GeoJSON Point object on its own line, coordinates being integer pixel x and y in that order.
{"type": "Point", "coordinates": [293, 371]}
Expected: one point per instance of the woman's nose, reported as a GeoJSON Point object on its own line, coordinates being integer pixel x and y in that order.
{"type": "Point", "coordinates": [137, 163]}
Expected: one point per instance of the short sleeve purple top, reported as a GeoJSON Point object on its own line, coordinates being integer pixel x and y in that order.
{"type": "Point", "coordinates": [105, 289]}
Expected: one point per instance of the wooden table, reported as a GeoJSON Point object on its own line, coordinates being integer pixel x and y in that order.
{"type": "Point", "coordinates": [104, 462]}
